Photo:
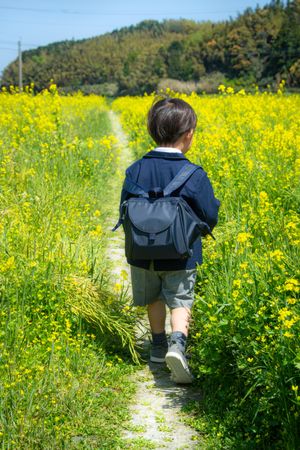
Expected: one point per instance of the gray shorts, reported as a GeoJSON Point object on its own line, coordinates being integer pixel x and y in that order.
{"type": "Point", "coordinates": [174, 287]}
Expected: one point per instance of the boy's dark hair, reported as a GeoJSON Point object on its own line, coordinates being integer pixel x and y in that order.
{"type": "Point", "coordinates": [170, 118]}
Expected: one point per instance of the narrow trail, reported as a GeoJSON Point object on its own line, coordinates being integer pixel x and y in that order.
{"type": "Point", "coordinates": [156, 418]}
{"type": "Point", "coordinates": [115, 251]}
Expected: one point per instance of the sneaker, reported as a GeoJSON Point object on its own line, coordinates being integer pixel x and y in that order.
{"type": "Point", "coordinates": [158, 353]}
{"type": "Point", "coordinates": [177, 363]}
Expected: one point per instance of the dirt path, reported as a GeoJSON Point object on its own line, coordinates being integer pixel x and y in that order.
{"type": "Point", "coordinates": [157, 421]}
{"type": "Point", "coordinates": [115, 252]}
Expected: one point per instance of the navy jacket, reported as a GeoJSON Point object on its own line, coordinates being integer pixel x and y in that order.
{"type": "Point", "coordinates": [156, 169]}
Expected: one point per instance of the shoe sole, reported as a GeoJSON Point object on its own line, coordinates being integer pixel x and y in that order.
{"type": "Point", "coordinates": [157, 360]}
{"type": "Point", "coordinates": [178, 368]}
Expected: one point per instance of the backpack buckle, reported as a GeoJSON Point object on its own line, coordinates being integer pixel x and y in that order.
{"type": "Point", "coordinates": [156, 192]}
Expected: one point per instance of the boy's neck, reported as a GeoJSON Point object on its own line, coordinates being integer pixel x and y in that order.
{"type": "Point", "coordinates": [183, 143]}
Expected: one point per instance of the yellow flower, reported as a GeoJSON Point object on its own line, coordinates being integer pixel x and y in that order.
{"type": "Point", "coordinates": [290, 323]}
{"type": "Point", "coordinates": [53, 88]}
{"type": "Point", "coordinates": [97, 231]}
{"type": "Point", "coordinates": [237, 283]}
{"type": "Point", "coordinates": [277, 255]}
{"type": "Point", "coordinates": [288, 334]}
{"type": "Point", "coordinates": [117, 287]}
{"type": "Point", "coordinates": [243, 237]}
{"type": "Point", "coordinates": [90, 143]}
{"type": "Point", "coordinates": [263, 196]}
{"type": "Point", "coordinates": [291, 225]}
{"type": "Point", "coordinates": [283, 313]}
{"type": "Point", "coordinates": [33, 264]}
{"type": "Point", "coordinates": [8, 265]}
{"type": "Point", "coordinates": [291, 285]}
{"type": "Point", "coordinates": [213, 318]}
{"type": "Point", "coordinates": [235, 294]}
{"type": "Point", "coordinates": [124, 274]}
{"type": "Point", "coordinates": [230, 90]}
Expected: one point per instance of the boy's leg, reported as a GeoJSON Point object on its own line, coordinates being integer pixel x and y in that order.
{"type": "Point", "coordinates": [175, 358]}
{"type": "Point", "coordinates": [180, 320]}
{"type": "Point", "coordinates": [146, 286]}
{"type": "Point", "coordinates": [157, 316]}
{"type": "Point", "coordinates": [157, 319]}
{"type": "Point", "coordinates": [178, 289]}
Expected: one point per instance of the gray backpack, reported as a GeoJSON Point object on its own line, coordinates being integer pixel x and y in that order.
{"type": "Point", "coordinates": [157, 225]}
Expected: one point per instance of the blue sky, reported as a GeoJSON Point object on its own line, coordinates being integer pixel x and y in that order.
{"type": "Point", "coordinates": [38, 22]}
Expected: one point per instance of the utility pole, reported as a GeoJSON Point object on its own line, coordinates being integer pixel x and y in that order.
{"type": "Point", "coordinates": [20, 67]}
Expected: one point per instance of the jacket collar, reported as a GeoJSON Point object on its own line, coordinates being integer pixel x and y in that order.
{"type": "Point", "coordinates": [165, 155]}
{"type": "Point", "coordinates": [167, 149]}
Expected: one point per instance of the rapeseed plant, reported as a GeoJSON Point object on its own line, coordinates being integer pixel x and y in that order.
{"type": "Point", "coordinates": [57, 155]}
{"type": "Point", "coordinates": [245, 330]}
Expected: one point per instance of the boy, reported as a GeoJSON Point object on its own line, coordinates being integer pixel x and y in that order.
{"type": "Point", "coordinates": [157, 283]}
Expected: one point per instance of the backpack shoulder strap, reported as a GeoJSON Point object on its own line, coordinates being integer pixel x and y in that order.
{"type": "Point", "coordinates": [134, 188]}
{"type": "Point", "coordinates": [180, 178]}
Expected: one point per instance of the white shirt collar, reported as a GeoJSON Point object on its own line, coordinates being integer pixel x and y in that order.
{"type": "Point", "coordinates": [168, 150]}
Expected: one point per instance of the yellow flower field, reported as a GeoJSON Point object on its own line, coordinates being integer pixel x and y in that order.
{"type": "Point", "coordinates": [58, 165]}
{"type": "Point", "coordinates": [246, 319]}
{"type": "Point", "coordinates": [57, 155]}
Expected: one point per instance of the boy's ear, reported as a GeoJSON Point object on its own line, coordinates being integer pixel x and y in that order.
{"type": "Point", "coordinates": [190, 133]}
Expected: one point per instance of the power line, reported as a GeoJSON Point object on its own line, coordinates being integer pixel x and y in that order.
{"type": "Point", "coordinates": [15, 42]}
{"type": "Point", "coordinates": [108, 13]}
{"type": "Point", "coordinates": [7, 42]}
{"type": "Point", "coordinates": [10, 49]}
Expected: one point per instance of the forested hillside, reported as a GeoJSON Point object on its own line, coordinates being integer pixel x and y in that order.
{"type": "Point", "coordinates": [260, 46]}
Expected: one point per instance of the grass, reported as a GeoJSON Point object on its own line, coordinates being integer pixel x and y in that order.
{"type": "Point", "coordinates": [139, 443]}
{"type": "Point", "coordinates": [244, 338]}
{"type": "Point", "coordinates": [66, 340]}
{"type": "Point", "coordinates": [67, 335]}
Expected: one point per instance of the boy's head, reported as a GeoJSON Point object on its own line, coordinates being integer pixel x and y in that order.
{"type": "Point", "coordinates": [169, 119]}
